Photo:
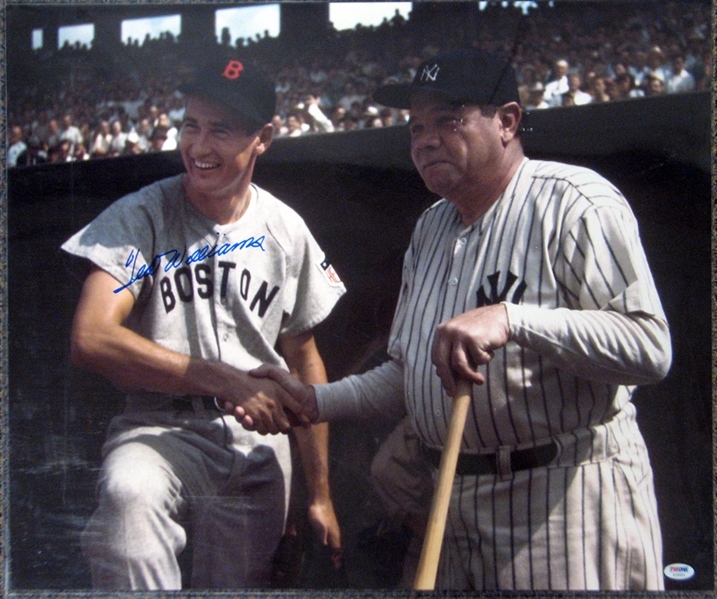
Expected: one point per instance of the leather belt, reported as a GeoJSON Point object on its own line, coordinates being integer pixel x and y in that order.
{"type": "Point", "coordinates": [185, 403]}
{"type": "Point", "coordinates": [472, 464]}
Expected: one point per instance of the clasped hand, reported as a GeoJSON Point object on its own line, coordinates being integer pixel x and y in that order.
{"type": "Point", "coordinates": [465, 342]}
{"type": "Point", "coordinates": [283, 402]}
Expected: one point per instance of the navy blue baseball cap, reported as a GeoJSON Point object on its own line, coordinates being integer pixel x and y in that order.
{"type": "Point", "coordinates": [238, 85]}
{"type": "Point", "coordinates": [474, 76]}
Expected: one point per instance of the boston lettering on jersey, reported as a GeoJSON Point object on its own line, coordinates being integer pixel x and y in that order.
{"type": "Point", "coordinates": [185, 283]}
{"type": "Point", "coordinates": [496, 297]}
{"type": "Point", "coordinates": [175, 259]}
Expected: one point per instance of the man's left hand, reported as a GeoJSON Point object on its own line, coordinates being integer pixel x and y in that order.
{"type": "Point", "coordinates": [323, 520]}
{"type": "Point", "coordinates": [468, 341]}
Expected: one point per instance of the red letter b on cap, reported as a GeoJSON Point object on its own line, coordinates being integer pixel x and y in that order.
{"type": "Point", "coordinates": [233, 69]}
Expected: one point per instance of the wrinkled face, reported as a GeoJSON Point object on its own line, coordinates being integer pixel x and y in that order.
{"type": "Point", "coordinates": [216, 150]}
{"type": "Point", "coordinates": [453, 146]}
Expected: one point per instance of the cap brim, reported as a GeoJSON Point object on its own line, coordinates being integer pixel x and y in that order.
{"type": "Point", "coordinates": [398, 95]}
{"type": "Point", "coordinates": [237, 104]}
{"type": "Point", "coordinates": [395, 95]}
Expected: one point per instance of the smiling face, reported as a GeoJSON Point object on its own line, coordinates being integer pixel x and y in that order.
{"type": "Point", "coordinates": [217, 151]}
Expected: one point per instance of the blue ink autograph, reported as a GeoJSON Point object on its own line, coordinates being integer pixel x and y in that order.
{"type": "Point", "coordinates": [175, 259]}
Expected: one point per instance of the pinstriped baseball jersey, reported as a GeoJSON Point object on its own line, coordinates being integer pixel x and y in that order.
{"type": "Point", "coordinates": [561, 249]}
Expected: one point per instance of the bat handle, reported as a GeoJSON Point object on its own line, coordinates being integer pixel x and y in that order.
{"type": "Point", "coordinates": [430, 553]}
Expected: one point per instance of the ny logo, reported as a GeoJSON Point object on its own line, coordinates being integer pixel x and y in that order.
{"type": "Point", "coordinates": [495, 297]}
{"type": "Point", "coordinates": [430, 73]}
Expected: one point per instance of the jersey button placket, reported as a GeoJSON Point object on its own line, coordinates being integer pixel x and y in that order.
{"type": "Point", "coordinates": [454, 277]}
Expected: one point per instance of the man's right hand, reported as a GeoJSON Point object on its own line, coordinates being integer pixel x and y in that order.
{"type": "Point", "coordinates": [262, 405]}
{"type": "Point", "coordinates": [297, 399]}
{"type": "Point", "coordinates": [103, 344]}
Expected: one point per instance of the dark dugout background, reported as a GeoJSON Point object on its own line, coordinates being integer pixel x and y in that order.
{"type": "Point", "coordinates": [360, 195]}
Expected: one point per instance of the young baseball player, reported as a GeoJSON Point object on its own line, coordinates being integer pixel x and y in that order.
{"type": "Point", "coordinates": [196, 279]}
{"type": "Point", "coordinates": [529, 280]}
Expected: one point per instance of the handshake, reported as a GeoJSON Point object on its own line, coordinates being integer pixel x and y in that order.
{"type": "Point", "coordinates": [277, 402]}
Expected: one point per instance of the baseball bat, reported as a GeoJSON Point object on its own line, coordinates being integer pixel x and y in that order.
{"type": "Point", "coordinates": [431, 551]}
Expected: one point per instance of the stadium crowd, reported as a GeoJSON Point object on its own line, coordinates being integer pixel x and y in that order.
{"type": "Point", "coordinates": [80, 103]}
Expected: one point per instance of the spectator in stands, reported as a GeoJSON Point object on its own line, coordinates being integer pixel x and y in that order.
{"type": "Point", "coordinates": [153, 115]}
{"type": "Point", "coordinates": [679, 79]}
{"type": "Point", "coordinates": [144, 132]}
{"type": "Point", "coordinates": [280, 129]}
{"type": "Point", "coordinates": [337, 118]}
{"type": "Point", "coordinates": [176, 111]}
{"type": "Point", "coordinates": [16, 145]}
{"type": "Point", "coordinates": [351, 97]}
{"type": "Point", "coordinates": [350, 122]}
{"type": "Point", "coordinates": [35, 153]}
{"type": "Point", "coordinates": [119, 138]}
{"type": "Point", "coordinates": [529, 76]}
{"type": "Point", "coordinates": [703, 75]}
{"type": "Point", "coordinates": [638, 68]}
{"type": "Point", "coordinates": [558, 85]}
{"type": "Point", "coordinates": [64, 151]}
{"type": "Point", "coordinates": [345, 64]}
{"type": "Point", "coordinates": [70, 132]}
{"type": "Point", "coordinates": [157, 139]}
{"type": "Point", "coordinates": [623, 87]}
{"type": "Point", "coordinates": [80, 154]}
{"type": "Point", "coordinates": [54, 154]}
{"type": "Point", "coordinates": [294, 124]}
{"type": "Point", "coordinates": [402, 116]}
{"type": "Point", "coordinates": [41, 127]}
{"type": "Point", "coordinates": [655, 85]}
{"type": "Point", "coordinates": [319, 122]}
{"type": "Point", "coordinates": [656, 63]}
{"type": "Point", "coordinates": [574, 96]}
{"type": "Point", "coordinates": [131, 147]}
{"type": "Point", "coordinates": [100, 146]}
{"type": "Point", "coordinates": [599, 89]}
{"type": "Point", "coordinates": [694, 54]}
{"type": "Point", "coordinates": [368, 116]}
{"type": "Point", "coordinates": [535, 98]}
{"type": "Point", "coordinates": [53, 135]}
{"type": "Point", "coordinates": [172, 132]}
{"type": "Point", "coordinates": [386, 116]}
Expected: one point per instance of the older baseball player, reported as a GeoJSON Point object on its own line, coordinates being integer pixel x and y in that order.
{"type": "Point", "coordinates": [196, 279]}
{"type": "Point", "coordinates": [528, 279]}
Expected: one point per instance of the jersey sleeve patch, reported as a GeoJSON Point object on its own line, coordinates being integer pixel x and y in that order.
{"type": "Point", "coordinates": [329, 273]}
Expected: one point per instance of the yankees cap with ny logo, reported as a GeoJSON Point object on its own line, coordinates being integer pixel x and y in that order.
{"type": "Point", "coordinates": [236, 84]}
{"type": "Point", "coordinates": [473, 76]}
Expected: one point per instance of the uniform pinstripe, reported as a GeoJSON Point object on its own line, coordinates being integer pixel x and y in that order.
{"type": "Point", "coordinates": [561, 249]}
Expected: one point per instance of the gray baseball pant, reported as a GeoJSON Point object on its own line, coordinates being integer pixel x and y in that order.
{"type": "Point", "coordinates": [167, 475]}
